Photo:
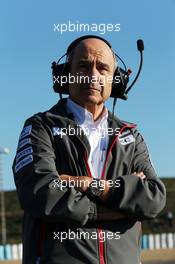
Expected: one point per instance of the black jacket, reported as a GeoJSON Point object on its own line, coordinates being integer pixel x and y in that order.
{"type": "Point", "coordinates": [49, 212]}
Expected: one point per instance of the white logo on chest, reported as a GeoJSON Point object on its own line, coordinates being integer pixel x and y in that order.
{"type": "Point", "coordinates": [126, 140]}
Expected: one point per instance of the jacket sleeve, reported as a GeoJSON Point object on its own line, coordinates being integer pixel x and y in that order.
{"type": "Point", "coordinates": [35, 175]}
{"type": "Point", "coordinates": [137, 198]}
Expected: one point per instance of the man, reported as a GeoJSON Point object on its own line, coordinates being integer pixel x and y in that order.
{"type": "Point", "coordinates": [84, 178]}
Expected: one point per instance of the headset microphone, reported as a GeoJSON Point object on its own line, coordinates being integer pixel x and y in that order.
{"type": "Point", "coordinates": [140, 47]}
{"type": "Point", "coordinates": [124, 91]}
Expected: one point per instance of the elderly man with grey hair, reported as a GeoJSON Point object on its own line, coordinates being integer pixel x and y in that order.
{"type": "Point", "coordinates": [85, 194]}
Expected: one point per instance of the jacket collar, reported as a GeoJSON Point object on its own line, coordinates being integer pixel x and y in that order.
{"type": "Point", "coordinates": [60, 112]}
{"type": "Point", "coordinates": [61, 109]}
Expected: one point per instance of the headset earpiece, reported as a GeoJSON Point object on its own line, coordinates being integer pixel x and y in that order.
{"type": "Point", "coordinates": [119, 84]}
{"type": "Point", "coordinates": [60, 74]}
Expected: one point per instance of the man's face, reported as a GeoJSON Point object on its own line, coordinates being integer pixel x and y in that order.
{"type": "Point", "coordinates": [93, 61]}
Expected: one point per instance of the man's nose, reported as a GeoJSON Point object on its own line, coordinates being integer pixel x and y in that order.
{"type": "Point", "coordinates": [94, 71]}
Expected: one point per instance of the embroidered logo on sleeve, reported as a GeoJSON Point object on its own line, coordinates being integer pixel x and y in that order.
{"type": "Point", "coordinates": [27, 160]}
{"type": "Point", "coordinates": [23, 142]}
{"type": "Point", "coordinates": [23, 153]}
{"type": "Point", "coordinates": [126, 140]}
{"type": "Point", "coordinates": [26, 131]}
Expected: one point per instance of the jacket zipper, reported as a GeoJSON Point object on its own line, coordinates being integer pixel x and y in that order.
{"type": "Point", "coordinates": [101, 245]}
{"type": "Point", "coordinates": [99, 228]}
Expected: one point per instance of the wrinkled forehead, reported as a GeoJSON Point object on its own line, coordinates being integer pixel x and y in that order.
{"type": "Point", "coordinates": [89, 48]}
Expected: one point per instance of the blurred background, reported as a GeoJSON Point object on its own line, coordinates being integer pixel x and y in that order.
{"type": "Point", "coordinates": [31, 39]}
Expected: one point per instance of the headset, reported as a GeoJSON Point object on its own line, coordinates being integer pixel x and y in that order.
{"type": "Point", "coordinates": [119, 88]}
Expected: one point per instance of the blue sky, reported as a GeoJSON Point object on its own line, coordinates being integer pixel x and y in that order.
{"type": "Point", "coordinates": [29, 44]}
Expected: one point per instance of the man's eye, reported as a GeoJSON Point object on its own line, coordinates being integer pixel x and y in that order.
{"type": "Point", "coordinates": [103, 69]}
{"type": "Point", "coordinates": [83, 65]}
